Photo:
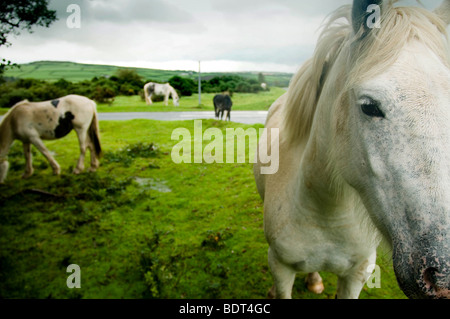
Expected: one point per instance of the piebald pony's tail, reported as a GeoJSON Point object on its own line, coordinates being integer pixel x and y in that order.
{"type": "Point", "coordinates": [94, 134]}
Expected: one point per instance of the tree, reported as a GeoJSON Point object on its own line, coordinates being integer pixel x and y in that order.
{"type": "Point", "coordinates": [261, 78]}
{"type": "Point", "coordinates": [17, 15]}
{"type": "Point", "coordinates": [130, 81]}
{"type": "Point", "coordinates": [129, 76]}
{"type": "Point", "coordinates": [184, 85]}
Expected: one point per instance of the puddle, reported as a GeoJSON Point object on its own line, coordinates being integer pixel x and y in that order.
{"type": "Point", "coordinates": [150, 183]}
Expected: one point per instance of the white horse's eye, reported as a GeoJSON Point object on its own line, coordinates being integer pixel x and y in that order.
{"type": "Point", "coordinates": [370, 107]}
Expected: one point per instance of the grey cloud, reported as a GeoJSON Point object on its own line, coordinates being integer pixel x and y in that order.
{"type": "Point", "coordinates": [138, 10]}
{"type": "Point", "coordinates": [120, 11]}
{"type": "Point", "coordinates": [282, 54]}
{"type": "Point", "coordinates": [105, 23]}
{"type": "Point", "coordinates": [304, 7]}
{"type": "Point", "coordinates": [264, 31]}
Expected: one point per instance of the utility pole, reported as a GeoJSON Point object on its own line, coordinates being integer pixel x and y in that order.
{"type": "Point", "coordinates": [199, 85]}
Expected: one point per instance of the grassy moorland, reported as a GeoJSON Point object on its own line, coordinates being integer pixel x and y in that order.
{"type": "Point", "coordinates": [75, 72]}
{"type": "Point", "coordinates": [142, 226]}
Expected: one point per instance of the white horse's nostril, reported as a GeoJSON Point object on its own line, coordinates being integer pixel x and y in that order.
{"type": "Point", "coordinates": [430, 278]}
{"type": "Point", "coordinates": [433, 282]}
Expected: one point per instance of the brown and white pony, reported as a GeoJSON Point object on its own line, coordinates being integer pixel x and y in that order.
{"type": "Point", "coordinates": [32, 122]}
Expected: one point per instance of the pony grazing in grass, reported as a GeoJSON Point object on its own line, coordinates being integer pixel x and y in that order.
{"type": "Point", "coordinates": [222, 106]}
{"type": "Point", "coordinates": [161, 89]}
{"type": "Point", "coordinates": [364, 148]}
{"type": "Point", "coordinates": [32, 122]}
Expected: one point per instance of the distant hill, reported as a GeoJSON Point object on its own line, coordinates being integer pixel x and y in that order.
{"type": "Point", "coordinates": [75, 72]}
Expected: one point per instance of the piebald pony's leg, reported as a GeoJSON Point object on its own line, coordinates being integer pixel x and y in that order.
{"type": "Point", "coordinates": [82, 139]}
{"type": "Point", "coordinates": [28, 160]}
{"type": "Point", "coordinates": [4, 166]}
{"type": "Point", "coordinates": [166, 99]}
{"type": "Point", "coordinates": [36, 141]}
{"type": "Point", "coordinates": [146, 95]}
{"type": "Point", "coordinates": [95, 163]}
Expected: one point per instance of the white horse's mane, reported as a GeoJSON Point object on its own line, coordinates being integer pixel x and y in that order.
{"type": "Point", "coordinates": [367, 56]}
{"type": "Point", "coordinates": [173, 92]}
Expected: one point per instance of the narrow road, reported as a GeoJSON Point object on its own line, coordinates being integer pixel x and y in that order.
{"type": "Point", "coordinates": [245, 117]}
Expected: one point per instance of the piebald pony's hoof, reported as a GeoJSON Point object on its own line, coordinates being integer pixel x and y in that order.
{"type": "Point", "coordinates": [26, 175]}
{"type": "Point", "coordinates": [56, 170]}
{"type": "Point", "coordinates": [77, 171]}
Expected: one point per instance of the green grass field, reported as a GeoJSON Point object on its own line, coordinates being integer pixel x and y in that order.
{"type": "Point", "coordinates": [142, 226]}
{"type": "Point", "coordinates": [75, 72]}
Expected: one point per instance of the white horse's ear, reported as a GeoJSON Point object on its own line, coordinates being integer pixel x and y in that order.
{"type": "Point", "coordinates": [444, 11]}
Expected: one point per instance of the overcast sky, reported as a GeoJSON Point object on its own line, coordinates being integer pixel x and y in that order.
{"type": "Point", "coordinates": [226, 35]}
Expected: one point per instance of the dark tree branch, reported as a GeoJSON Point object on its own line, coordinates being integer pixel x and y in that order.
{"type": "Point", "coordinates": [17, 15]}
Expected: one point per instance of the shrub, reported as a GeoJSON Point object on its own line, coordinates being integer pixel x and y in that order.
{"type": "Point", "coordinates": [243, 87]}
{"type": "Point", "coordinates": [128, 76]}
{"type": "Point", "coordinates": [124, 82]}
{"type": "Point", "coordinates": [186, 87]}
{"type": "Point", "coordinates": [103, 94]}
{"type": "Point", "coordinates": [47, 91]}
{"type": "Point", "coordinates": [127, 89]}
{"type": "Point", "coordinates": [8, 99]}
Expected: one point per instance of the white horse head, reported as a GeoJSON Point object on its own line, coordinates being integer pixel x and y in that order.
{"type": "Point", "coordinates": [368, 119]}
{"type": "Point", "coordinates": [175, 97]}
{"type": "Point", "coordinates": [393, 124]}
{"type": "Point", "coordinates": [174, 94]}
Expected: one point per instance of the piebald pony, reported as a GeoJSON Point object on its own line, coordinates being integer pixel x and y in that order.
{"type": "Point", "coordinates": [32, 122]}
{"type": "Point", "coordinates": [161, 89]}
